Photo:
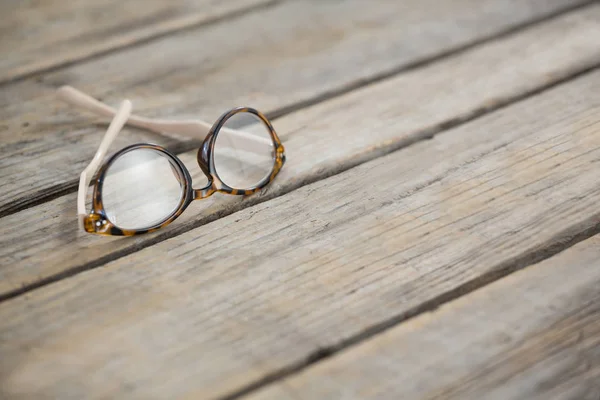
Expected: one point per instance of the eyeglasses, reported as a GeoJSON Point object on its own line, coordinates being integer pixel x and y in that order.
{"type": "Point", "coordinates": [144, 187]}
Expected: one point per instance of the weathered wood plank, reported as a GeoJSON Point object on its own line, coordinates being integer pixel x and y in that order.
{"type": "Point", "coordinates": [37, 35]}
{"type": "Point", "coordinates": [216, 308]}
{"type": "Point", "coordinates": [532, 335]}
{"type": "Point", "coordinates": [43, 241]}
{"type": "Point", "coordinates": [273, 59]}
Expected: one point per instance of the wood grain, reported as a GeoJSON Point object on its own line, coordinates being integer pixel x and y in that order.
{"type": "Point", "coordinates": [268, 288]}
{"type": "Point", "coordinates": [533, 335]}
{"type": "Point", "coordinates": [43, 242]}
{"type": "Point", "coordinates": [272, 60]}
{"type": "Point", "coordinates": [38, 35]}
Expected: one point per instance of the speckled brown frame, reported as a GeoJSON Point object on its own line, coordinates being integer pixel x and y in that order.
{"type": "Point", "coordinates": [98, 222]}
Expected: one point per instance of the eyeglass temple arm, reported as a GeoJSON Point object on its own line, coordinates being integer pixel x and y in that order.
{"type": "Point", "coordinates": [190, 128]}
{"type": "Point", "coordinates": [86, 176]}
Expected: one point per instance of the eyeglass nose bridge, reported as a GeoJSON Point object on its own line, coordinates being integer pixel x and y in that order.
{"type": "Point", "coordinates": [203, 162]}
{"type": "Point", "coordinates": [204, 192]}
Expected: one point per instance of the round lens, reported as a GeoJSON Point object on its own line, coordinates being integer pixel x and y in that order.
{"type": "Point", "coordinates": [244, 153]}
{"type": "Point", "coordinates": [141, 189]}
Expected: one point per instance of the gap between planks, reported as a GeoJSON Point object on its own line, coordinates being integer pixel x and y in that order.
{"type": "Point", "coordinates": [504, 162]}
{"type": "Point", "coordinates": [475, 108]}
{"type": "Point", "coordinates": [277, 98]}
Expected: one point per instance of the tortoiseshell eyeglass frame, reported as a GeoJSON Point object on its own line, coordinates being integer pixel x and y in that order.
{"type": "Point", "coordinates": [98, 222]}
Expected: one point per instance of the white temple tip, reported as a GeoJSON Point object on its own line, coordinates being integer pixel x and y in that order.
{"type": "Point", "coordinates": [126, 104]}
{"type": "Point", "coordinates": [66, 91]}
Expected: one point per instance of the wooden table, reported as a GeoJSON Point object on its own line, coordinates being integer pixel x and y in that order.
{"type": "Point", "coordinates": [433, 235]}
